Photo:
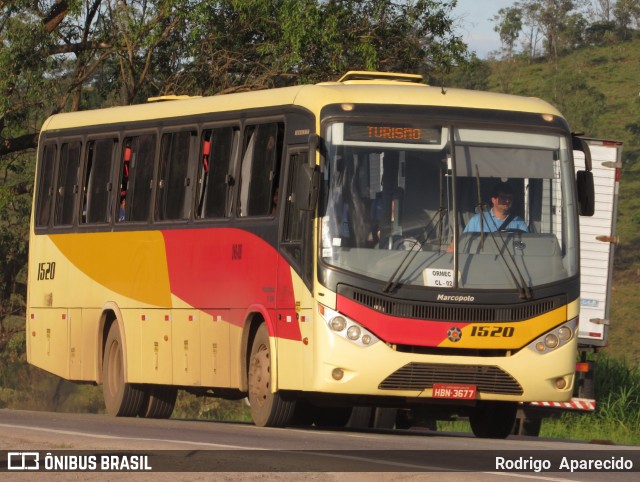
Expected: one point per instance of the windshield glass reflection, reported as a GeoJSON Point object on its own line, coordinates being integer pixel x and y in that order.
{"type": "Point", "coordinates": [398, 206]}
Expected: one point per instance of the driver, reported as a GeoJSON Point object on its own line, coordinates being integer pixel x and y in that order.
{"type": "Point", "coordinates": [499, 218]}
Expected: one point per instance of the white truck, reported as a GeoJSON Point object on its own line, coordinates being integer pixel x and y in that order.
{"type": "Point", "coordinates": [597, 242]}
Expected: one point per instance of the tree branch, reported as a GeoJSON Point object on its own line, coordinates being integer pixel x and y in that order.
{"type": "Point", "coordinates": [20, 143]}
{"type": "Point", "coordinates": [56, 15]}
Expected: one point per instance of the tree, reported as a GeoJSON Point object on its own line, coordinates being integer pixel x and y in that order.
{"type": "Point", "coordinates": [281, 42]}
{"type": "Point", "coordinates": [66, 55]}
{"type": "Point", "coordinates": [471, 74]}
{"type": "Point", "coordinates": [69, 54]}
{"type": "Point", "coordinates": [508, 26]}
{"type": "Point", "coordinates": [560, 22]}
{"type": "Point", "coordinates": [627, 15]}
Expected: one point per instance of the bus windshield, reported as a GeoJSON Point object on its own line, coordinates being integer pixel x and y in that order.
{"type": "Point", "coordinates": [441, 206]}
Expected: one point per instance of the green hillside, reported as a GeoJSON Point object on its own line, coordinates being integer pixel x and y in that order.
{"type": "Point", "coordinates": [598, 90]}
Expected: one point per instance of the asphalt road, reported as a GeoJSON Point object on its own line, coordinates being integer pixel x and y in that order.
{"type": "Point", "coordinates": [234, 451]}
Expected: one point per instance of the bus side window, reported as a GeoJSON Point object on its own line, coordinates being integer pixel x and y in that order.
{"type": "Point", "coordinates": [136, 176]}
{"type": "Point", "coordinates": [68, 183]}
{"type": "Point", "coordinates": [260, 168]}
{"type": "Point", "coordinates": [45, 185]}
{"type": "Point", "coordinates": [215, 172]}
{"type": "Point", "coordinates": [97, 185]}
{"type": "Point", "coordinates": [174, 182]}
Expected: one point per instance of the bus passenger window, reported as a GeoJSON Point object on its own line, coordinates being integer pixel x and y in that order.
{"type": "Point", "coordinates": [174, 182]}
{"type": "Point", "coordinates": [136, 177]}
{"type": "Point", "coordinates": [45, 185]}
{"type": "Point", "coordinates": [97, 186]}
{"type": "Point", "coordinates": [215, 172]}
{"type": "Point", "coordinates": [68, 182]}
{"type": "Point", "coordinates": [260, 168]}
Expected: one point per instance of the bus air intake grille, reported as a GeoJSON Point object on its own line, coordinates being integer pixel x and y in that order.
{"type": "Point", "coordinates": [451, 311]}
{"type": "Point", "coordinates": [418, 376]}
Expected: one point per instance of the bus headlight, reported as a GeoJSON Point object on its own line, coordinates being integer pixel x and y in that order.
{"type": "Point", "coordinates": [338, 323]}
{"type": "Point", "coordinates": [564, 333]}
{"type": "Point", "coordinates": [551, 340]}
{"type": "Point", "coordinates": [555, 338]}
{"type": "Point", "coordinates": [353, 333]}
{"type": "Point", "coordinates": [347, 328]}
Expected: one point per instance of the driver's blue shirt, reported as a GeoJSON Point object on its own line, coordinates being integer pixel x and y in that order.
{"type": "Point", "coordinates": [492, 223]}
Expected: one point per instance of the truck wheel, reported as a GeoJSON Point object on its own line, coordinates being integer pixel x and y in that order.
{"type": "Point", "coordinates": [121, 399]}
{"type": "Point", "coordinates": [268, 408]}
{"type": "Point", "coordinates": [493, 419]}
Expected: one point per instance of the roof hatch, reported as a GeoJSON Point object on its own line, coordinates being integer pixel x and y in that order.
{"type": "Point", "coordinates": [355, 75]}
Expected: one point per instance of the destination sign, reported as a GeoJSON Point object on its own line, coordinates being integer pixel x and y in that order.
{"type": "Point", "coordinates": [401, 133]}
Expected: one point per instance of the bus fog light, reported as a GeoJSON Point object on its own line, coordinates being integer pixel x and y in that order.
{"type": "Point", "coordinates": [551, 340]}
{"type": "Point", "coordinates": [366, 339]}
{"type": "Point", "coordinates": [353, 332]}
{"type": "Point", "coordinates": [564, 333]}
{"type": "Point", "coordinates": [338, 323]}
{"type": "Point", "coordinates": [337, 373]}
{"type": "Point", "coordinates": [561, 383]}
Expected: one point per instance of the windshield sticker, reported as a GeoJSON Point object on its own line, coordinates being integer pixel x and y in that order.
{"type": "Point", "coordinates": [438, 278]}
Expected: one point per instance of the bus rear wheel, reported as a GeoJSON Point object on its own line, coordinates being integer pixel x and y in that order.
{"type": "Point", "coordinates": [159, 401]}
{"type": "Point", "coordinates": [268, 408]}
{"type": "Point", "coordinates": [493, 419]}
{"type": "Point", "coordinates": [121, 399]}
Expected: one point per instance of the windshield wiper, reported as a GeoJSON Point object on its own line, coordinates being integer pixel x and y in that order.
{"type": "Point", "coordinates": [523, 288]}
{"type": "Point", "coordinates": [413, 252]}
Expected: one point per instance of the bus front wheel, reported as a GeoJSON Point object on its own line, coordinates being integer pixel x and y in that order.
{"type": "Point", "coordinates": [121, 399]}
{"type": "Point", "coordinates": [493, 419]}
{"type": "Point", "coordinates": [268, 408]}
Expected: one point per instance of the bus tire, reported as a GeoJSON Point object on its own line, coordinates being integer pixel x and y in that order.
{"type": "Point", "coordinates": [332, 417]}
{"type": "Point", "coordinates": [268, 408]}
{"type": "Point", "coordinates": [493, 419]}
{"type": "Point", "coordinates": [303, 414]}
{"type": "Point", "coordinates": [121, 399]}
{"type": "Point", "coordinates": [159, 401]}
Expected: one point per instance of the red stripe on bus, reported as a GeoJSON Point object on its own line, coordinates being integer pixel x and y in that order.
{"type": "Point", "coordinates": [400, 331]}
{"type": "Point", "coordinates": [231, 269]}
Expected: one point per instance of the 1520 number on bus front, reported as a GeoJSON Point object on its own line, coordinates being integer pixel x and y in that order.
{"type": "Point", "coordinates": [494, 331]}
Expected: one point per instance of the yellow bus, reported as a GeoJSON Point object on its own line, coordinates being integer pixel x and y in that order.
{"type": "Point", "coordinates": [311, 248]}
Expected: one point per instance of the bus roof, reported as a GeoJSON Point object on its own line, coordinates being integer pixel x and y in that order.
{"type": "Point", "coordinates": [356, 89]}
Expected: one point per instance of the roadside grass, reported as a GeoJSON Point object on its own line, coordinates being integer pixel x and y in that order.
{"type": "Point", "coordinates": [617, 416]}
{"type": "Point", "coordinates": [207, 408]}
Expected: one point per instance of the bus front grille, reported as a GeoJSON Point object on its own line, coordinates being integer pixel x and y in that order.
{"type": "Point", "coordinates": [418, 376]}
{"type": "Point", "coordinates": [438, 311]}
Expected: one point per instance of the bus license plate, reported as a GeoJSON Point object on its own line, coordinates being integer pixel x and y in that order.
{"type": "Point", "coordinates": [444, 390]}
